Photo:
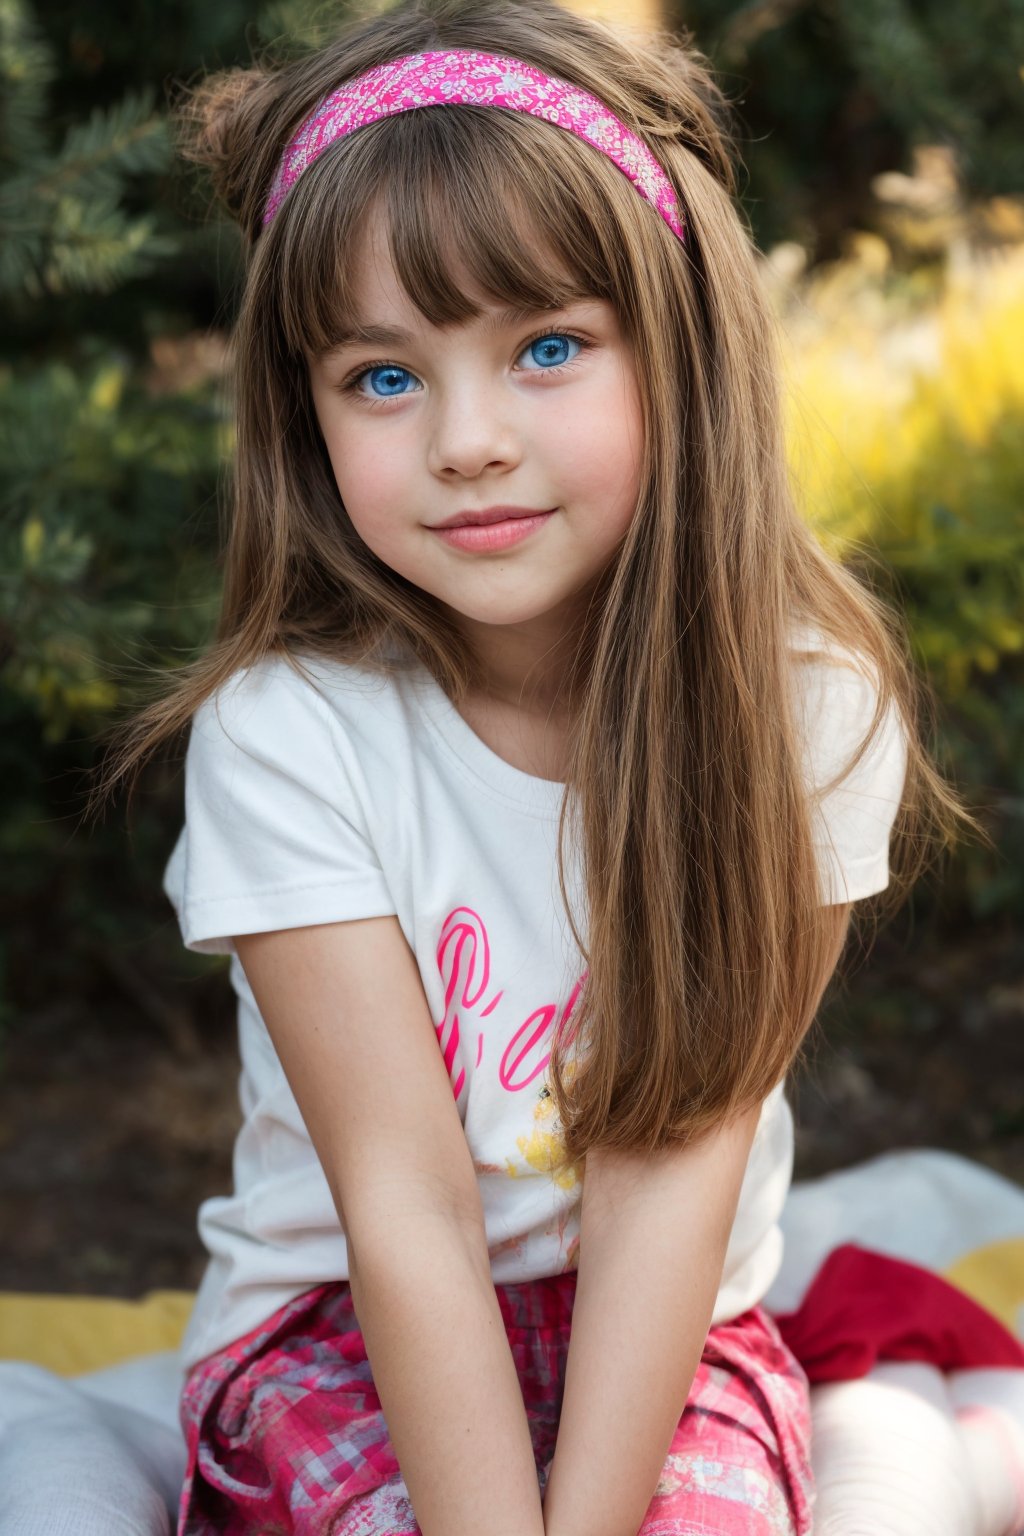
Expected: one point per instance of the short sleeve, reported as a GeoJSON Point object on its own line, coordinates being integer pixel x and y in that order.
{"type": "Point", "coordinates": [274, 834]}
{"type": "Point", "coordinates": [853, 821]}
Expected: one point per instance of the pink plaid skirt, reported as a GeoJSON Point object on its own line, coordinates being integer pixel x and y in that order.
{"type": "Point", "coordinates": [286, 1435]}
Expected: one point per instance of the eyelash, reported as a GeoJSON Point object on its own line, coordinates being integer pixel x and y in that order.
{"type": "Point", "coordinates": [350, 385]}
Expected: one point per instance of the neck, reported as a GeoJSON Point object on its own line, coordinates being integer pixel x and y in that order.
{"type": "Point", "coordinates": [525, 666]}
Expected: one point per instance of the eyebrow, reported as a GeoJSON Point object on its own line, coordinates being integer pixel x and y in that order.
{"type": "Point", "coordinates": [360, 334]}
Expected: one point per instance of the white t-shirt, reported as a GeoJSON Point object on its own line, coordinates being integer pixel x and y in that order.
{"type": "Point", "coordinates": [364, 796]}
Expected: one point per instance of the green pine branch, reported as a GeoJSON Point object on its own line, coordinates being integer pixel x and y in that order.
{"type": "Point", "coordinates": [27, 69]}
{"type": "Point", "coordinates": [900, 59]}
{"type": "Point", "coordinates": [62, 228]}
{"type": "Point", "coordinates": [122, 140]}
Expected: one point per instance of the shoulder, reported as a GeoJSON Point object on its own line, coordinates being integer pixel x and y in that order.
{"type": "Point", "coordinates": [854, 761]}
{"type": "Point", "coordinates": [280, 830]}
{"type": "Point", "coordinates": [836, 691]}
{"type": "Point", "coordinates": [815, 654]}
{"type": "Point", "coordinates": [288, 698]}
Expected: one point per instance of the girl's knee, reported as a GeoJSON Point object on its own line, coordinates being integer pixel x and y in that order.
{"type": "Point", "coordinates": [888, 1461]}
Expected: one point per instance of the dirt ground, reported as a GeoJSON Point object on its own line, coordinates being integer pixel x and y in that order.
{"type": "Point", "coordinates": [116, 1121]}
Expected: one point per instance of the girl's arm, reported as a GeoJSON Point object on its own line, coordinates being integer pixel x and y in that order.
{"type": "Point", "coordinates": [442, 1367]}
{"type": "Point", "coordinates": [345, 1008]}
{"type": "Point", "coordinates": [653, 1238]}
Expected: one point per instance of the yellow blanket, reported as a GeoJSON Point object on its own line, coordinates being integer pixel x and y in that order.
{"type": "Point", "coordinates": [75, 1334]}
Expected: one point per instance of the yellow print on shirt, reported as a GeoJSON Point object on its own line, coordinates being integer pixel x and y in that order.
{"type": "Point", "coordinates": [544, 1146]}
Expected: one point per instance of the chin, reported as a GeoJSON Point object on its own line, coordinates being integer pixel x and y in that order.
{"type": "Point", "coordinates": [505, 612]}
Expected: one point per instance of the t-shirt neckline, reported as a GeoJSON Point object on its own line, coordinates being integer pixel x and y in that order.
{"type": "Point", "coordinates": [472, 751]}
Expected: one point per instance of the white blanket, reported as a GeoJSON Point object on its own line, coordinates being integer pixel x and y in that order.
{"type": "Point", "coordinates": [103, 1454]}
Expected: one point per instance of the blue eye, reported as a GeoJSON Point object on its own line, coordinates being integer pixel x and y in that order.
{"type": "Point", "coordinates": [551, 349]}
{"type": "Point", "coordinates": [390, 372]}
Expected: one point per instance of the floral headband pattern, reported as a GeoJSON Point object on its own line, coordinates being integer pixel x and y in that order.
{"type": "Point", "coordinates": [465, 76]}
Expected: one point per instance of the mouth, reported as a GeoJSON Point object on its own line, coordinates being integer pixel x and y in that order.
{"type": "Point", "coordinates": [490, 515]}
{"type": "Point", "coordinates": [499, 534]}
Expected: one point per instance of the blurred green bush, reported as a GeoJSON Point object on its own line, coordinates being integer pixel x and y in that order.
{"type": "Point", "coordinates": [905, 362]}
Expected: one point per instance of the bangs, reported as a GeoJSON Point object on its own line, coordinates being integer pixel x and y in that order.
{"type": "Point", "coordinates": [522, 211]}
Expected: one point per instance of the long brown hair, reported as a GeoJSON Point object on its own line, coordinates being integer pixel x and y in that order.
{"type": "Point", "coordinates": [708, 948]}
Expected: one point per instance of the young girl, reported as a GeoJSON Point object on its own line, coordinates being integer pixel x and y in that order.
{"type": "Point", "coordinates": [533, 772]}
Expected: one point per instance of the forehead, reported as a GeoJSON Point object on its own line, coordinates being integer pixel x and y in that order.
{"type": "Point", "coordinates": [375, 286]}
{"type": "Point", "coordinates": [375, 305]}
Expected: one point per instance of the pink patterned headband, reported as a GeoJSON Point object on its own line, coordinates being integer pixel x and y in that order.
{"type": "Point", "coordinates": [465, 76]}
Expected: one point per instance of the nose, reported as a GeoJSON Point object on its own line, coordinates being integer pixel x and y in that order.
{"type": "Point", "coordinates": [473, 428]}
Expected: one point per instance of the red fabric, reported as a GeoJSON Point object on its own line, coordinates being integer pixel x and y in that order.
{"type": "Point", "coordinates": [863, 1306]}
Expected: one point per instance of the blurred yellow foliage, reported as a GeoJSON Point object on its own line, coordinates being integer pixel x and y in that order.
{"type": "Point", "coordinates": [870, 390]}
{"type": "Point", "coordinates": [626, 13]}
{"type": "Point", "coordinates": [107, 388]}
{"type": "Point", "coordinates": [904, 408]}
{"type": "Point", "coordinates": [33, 536]}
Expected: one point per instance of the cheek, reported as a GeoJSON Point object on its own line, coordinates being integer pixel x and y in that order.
{"type": "Point", "coordinates": [602, 451]}
{"type": "Point", "coordinates": [613, 460]}
{"type": "Point", "coordinates": [370, 482]}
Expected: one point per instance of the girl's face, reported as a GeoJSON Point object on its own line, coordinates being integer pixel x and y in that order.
{"type": "Point", "coordinates": [432, 422]}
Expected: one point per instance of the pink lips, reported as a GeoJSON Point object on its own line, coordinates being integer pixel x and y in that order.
{"type": "Point", "coordinates": [491, 536]}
